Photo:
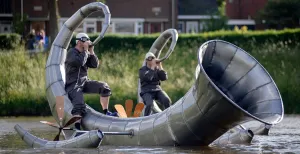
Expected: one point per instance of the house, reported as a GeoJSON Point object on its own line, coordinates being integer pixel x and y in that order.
{"type": "Point", "coordinates": [244, 12]}
{"type": "Point", "coordinates": [192, 14]}
{"type": "Point", "coordinates": [142, 16]}
{"type": "Point", "coordinates": [67, 8]}
{"type": "Point", "coordinates": [127, 17]}
{"type": "Point", "coordinates": [36, 12]}
{"type": "Point", "coordinates": [6, 14]}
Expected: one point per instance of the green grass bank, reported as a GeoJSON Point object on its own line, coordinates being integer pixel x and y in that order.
{"type": "Point", "coordinates": [22, 79]}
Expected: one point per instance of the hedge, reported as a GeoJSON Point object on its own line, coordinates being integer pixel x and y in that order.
{"type": "Point", "coordinates": [118, 42]}
{"type": "Point", "coordinates": [113, 42]}
{"type": "Point", "coordinates": [9, 41]}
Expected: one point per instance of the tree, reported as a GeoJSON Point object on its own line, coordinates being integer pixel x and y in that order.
{"type": "Point", "coordinates": [54, 17]}
{"type": "Point", "coordinates": [217, 20]}
{"type": "Point", "coordinates": [279, 14]}
{"type": "Point", "coordinates": [221, 6]}
{"type": "Point", "coordinates": [19, 23]}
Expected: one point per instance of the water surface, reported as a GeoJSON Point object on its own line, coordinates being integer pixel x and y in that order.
{"type": "Point", "coordinates": [284, 138]}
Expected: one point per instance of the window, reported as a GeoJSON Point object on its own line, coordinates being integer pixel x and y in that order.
{"type": "Point", "coordinates": [90, 30]}
{"type": "Point", "coordinates": [5, 27]}
{"type": "Point", "coordinates": [5, 7]}
{"type": "Point", "coordinates": [86, 27]}
{"type": "Point", "coordinates": [140, 28]}
{"type": "Point", "coordinates": [110, 29]}
{"type": "Point", "coordinates": [90, 26]}
{"type": "Point", "coordinates": [180, 27]}
{"type": "Point", "coordinates": [202, 26]}
{"type": "Point", "coordinates": [79, 29]}
{"type": "Point", "coordinates": [192, 27]}
{"type": "Point", "coordinates": [124, 27]}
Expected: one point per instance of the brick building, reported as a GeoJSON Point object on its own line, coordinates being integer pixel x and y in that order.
{"type": "Point", "coordinates": [244, 12]}
{"type": "Point", "coordinates": [133, 16]}
{"type": "Point", "coordinates": [192, 14]}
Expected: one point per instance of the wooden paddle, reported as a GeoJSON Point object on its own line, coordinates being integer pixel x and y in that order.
{"type": "Point", "coordinates": [60, 108]}
{"type": "Point", "coordinates": [60, 113]}
{"type": "Point", "coordinates": [128, 107]}
{"type": "Point", "coordinates": [138, 109]}
{"type": "Point", "coordinates": [121, 111]}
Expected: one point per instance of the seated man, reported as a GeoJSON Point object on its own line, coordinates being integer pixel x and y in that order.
{"type": "Point", "coordinates": [150, 77]}
{"type": "Point", "coordinates": [78, 60]}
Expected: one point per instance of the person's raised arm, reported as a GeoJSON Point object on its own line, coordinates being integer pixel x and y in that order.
{"type": "Point", "coordinates": [161, 73]}
{"type": "Point", "coordinates": [92, 61]}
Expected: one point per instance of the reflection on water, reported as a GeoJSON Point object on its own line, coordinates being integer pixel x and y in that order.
{"type": "Point", "coordinates": [283, 138]}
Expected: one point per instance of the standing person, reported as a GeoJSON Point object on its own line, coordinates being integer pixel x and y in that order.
{"type": "Point", "coordinates": [150, 77]}
{"type": "Point", "coordinates": [31, 41]}
{"type": "Point", "coordinates": [78, 60]}
{"type": "Point", "coordinates": [40, 41]}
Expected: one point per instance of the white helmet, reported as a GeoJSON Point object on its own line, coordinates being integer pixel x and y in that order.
{"type": "Point", "coordinates": [149, 54]}
{"type": "Point", "coordinates": [81, 35]}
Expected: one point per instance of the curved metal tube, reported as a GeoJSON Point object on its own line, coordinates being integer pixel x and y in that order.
{"type": "Point", "coordinates": [226, 93]}
{"type": "Point", "coordinates": [216, 103]}
{"type": "Point", "coordinates": [242, 135]}
{"type": "Point", "coordinates": [235, 136]}
{"type": "Point", "coordinates": [161, 41]}
{"type": "Point", "coordinates": [105, 24]}
{"type": "Point", "coordinates": [91, 139]}
{"type": "Point", "coordinates": [55, 69]}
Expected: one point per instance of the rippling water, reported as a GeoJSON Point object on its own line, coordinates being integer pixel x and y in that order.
{"type": "Point", "coordinates": [283, 138]}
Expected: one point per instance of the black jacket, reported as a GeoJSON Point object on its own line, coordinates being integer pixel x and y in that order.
{"type": "Point", "coordinates": [150, 79]}
{"type": "Point", "coordinates": [76, 61]}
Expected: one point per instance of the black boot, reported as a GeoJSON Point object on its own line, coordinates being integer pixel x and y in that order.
{"type": "Point", "coordinates": [77, 126]}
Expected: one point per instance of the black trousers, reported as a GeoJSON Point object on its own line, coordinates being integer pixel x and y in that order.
{"type": "Point", "coordinates": [161, 96]}
{"type": "Point", "coordinates": [90, 87]}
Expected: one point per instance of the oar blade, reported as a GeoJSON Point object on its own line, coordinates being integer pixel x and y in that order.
{"type": "Point", "coordinates": [72, 120]}
{"type": "Point", "coordinates": [57, 136]}
{"type": "Point", "coordinates": [121, 111]}
{"type": "Point", "coordinates": [128, 107]}
{"type": "Point", "coordinates": [138, 109]}
{"type": "Point", "coordinates": [60, 108]}
{"type": "Point", "coordinates": [49, 123]}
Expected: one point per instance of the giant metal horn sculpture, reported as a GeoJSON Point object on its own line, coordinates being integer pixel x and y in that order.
{"type": "Point", "coordinates": [230, 88]}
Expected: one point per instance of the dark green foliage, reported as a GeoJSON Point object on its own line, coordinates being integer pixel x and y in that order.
{"type": "Point", "coordinates": [118, 42]}
{"type": "Point", "coordinates": [279, 14]}
{"type": "Point", "coordinates": [19, 24]}
{"type": "Point", "coordinates": [9, 41]}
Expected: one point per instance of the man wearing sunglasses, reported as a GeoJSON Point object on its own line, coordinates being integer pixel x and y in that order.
{"type": "Point", "coordinates": [78, 60]}
{"type": "Point", "coordinates": [150, 77]}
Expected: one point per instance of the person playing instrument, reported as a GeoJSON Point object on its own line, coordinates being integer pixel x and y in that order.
{"type": "Point", "coordinates": [78, 60]}
{"type": "Point", "coordinates": [150, 77]}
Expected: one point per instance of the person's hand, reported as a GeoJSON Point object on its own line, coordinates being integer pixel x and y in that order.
{"type": "Point", "coordinates": [159, 65]}
{"type": "Point", "coordinates": [153, 64]}
{"type": "Point", "coordinates": [86, 45]}
{"type": "Point", "coordinates": [91, 49]}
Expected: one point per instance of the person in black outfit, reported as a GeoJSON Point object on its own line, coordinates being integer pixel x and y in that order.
{"type": "Point", "coordinates": [78, 60]}
{"type": "Point", "coordinates": [150, 77]}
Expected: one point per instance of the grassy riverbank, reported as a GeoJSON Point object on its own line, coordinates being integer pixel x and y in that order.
{"type": "Point", "coordinates": [22, 78]}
